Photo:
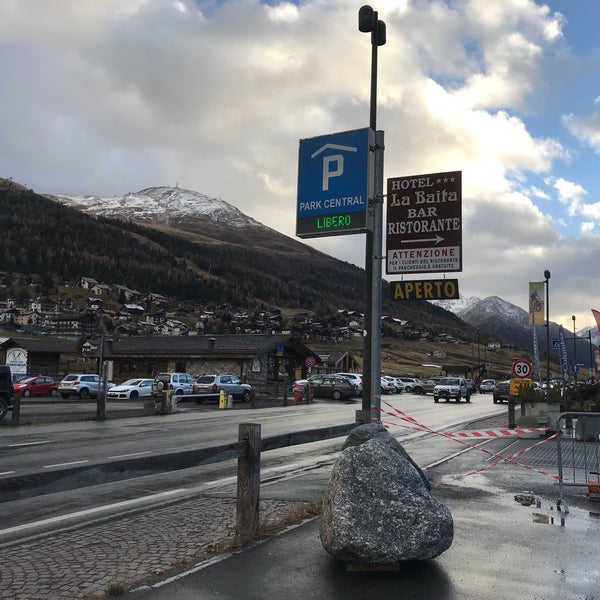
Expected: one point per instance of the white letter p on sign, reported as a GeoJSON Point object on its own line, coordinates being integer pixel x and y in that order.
{"type": "Point", "coordinates": [333, 166]}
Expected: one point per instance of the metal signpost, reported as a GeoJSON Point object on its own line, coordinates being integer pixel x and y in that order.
{"type": "Point", "coordinates": [340, 191]}
{"type": "Point", "coordinates": [424, 223]}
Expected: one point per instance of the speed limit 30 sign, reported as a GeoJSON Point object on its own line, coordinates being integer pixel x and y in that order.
{"type": "Point", "coordinates": [522, 368]}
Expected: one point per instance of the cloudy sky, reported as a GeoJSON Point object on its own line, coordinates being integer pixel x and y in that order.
{"type": "Point", "coordinates": [115, 96]}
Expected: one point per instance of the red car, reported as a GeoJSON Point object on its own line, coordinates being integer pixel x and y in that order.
{"type": "Point", "coordinates": [36, 386]}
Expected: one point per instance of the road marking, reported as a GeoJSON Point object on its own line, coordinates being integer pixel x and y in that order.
{"type": "Point", "coordinates": [130, 455]}
{"type": "Point", "coordinates": [90, 511]}
{"type": "Point", "coordinates": [67, 464]}
{"type": "Point", "coordinates": [28, 444]}
{"type": "Point", "coordinates": [8, 473]}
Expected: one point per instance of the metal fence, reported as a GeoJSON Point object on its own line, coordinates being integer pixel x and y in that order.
{"type": "Point", "coordinates": [578, 453]}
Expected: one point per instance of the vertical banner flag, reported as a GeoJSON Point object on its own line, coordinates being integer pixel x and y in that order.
{"type": "Point", "coordinates": [536, 302]}
{"type": "Point", "coordinates": [562, 349]}
{"type": "Point", "coordinates": [536, 351]}
{"type": "Point", "coordinates": [596, 314]}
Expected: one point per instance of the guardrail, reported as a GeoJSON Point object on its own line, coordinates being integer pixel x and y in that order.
{"type": "Point", "coordinates": [247, 450]}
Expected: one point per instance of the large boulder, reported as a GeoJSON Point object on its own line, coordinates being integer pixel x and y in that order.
{"type": "Point", "coordinates": [377, 506]}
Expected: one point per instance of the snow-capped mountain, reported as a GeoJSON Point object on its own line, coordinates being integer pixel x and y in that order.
{"type": "Point", "coordinates": [457, 306]}
{"type": "Point", "coordinates": [200, 216]}
{"type": "Point", "coordinates": [160, 204]}
{"type": "Point", "coordinates": [496, 317]}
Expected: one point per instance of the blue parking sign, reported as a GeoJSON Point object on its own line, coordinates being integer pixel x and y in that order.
{"type": "Point", "coordinates": [335, 174]}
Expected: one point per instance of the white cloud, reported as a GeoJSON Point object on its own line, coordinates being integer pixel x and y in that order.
{"type": "Point", "coordinates": [586, 129]}
{"type": "Point", "coordinates": [111, 97]}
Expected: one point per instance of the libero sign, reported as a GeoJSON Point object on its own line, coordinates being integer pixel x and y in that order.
{"type": "Point", "coordinates": [424, 223]}
{"type": "Point", "coordinates": [429, 289]}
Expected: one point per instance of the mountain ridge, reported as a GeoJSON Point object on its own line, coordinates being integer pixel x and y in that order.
{"type": "Point", "coordinates": [214, 226]}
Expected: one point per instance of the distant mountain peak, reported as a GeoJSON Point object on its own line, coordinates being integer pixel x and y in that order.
{"type": "Point", "coordinates": [457, 306]}
{"type": "Point", "coordinates": [160, 204]}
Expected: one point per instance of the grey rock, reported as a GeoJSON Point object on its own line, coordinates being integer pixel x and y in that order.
{"type": "Point", "coordinates": [377, 506]}
{"type": "Point", "coordinates": [363, 433]}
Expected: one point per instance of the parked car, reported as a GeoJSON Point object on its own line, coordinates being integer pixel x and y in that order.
{"type": "Point", "coordinates": [40, 385]}
{"type": "Point", "coordinates": [132, 389]}
{"type": "Point", "coordinates": [501, 392]}
{"type": "Point", "coordinates": [82, 385]}
{"type": "Point", "coordinates": [213, 384]}
{"type": "Point", "coordinates": [451, 388]}
{"type": "Point", "coordinates": [426, 386]}
{"type": "Point", "coordinates": [6, 390]}
{"type": "Point", "coordinates": [387, 386]}
{"type": "Point", "coordinates": [397, 383]}
{"type": "Point", "coordinates": [178, 384]}
{"type": "Point", "coordinates": [487, 385]}
{"type": "Point", "coordinates": [332, 386]}
{"type": "Point", "coordinates": [409, 383]}
{"type": "Point", "coordinates": [472, 386]}
{"type": "Point", "coordinates": [355, 378]}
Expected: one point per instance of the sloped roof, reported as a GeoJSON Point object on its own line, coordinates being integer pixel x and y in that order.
{"type": "Point", "coordinates": [203, 345]}
{"type": "Point", "coordinates": [41, 344]}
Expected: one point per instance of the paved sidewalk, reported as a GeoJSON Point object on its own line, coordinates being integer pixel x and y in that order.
{"type": "Point", "coordinates": [87, 562]}
{"type": "Point", "coordinates": [499, 544]}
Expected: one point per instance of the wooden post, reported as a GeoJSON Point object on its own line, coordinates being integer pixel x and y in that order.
{"type": "Point", "coordinates": [511, 412]}
{"type": "Point", "coordinates": [248, 483]}
{"type": "Point", "coordinates": [16, 409]}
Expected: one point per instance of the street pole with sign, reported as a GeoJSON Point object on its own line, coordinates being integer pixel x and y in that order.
{"type": "Point", "coordinates": [368, 22]}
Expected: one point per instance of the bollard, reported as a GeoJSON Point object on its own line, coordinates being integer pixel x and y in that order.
{"type": "Point", "coordinates": [165, 406]}
{"type": "Point", "coordinates": [230, 401]}
{"type": "Point", "coordinates": [222, 399]}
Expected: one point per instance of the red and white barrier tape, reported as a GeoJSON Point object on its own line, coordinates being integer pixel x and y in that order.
{"type": "Point", "coordinates": [493, 433]}
{"type": "Point", "coordinates": [458, 437]}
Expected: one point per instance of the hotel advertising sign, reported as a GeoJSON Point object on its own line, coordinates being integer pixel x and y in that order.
{"type": "Point", "coordinates": [424, 223]}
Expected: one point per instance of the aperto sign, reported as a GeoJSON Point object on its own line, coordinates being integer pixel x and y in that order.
{"type": "Point", "coordinates": [335, 172]}
{"type": "Point", "coordinates": [430, 289]}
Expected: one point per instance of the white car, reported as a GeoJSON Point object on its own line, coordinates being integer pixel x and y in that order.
{"type": "Point", "coordinates": [132, 389]}
{"type": "Point", "coordinates": [410, 383]}
{"type": "Point", "coordinates": [387, 386]}
{"type": "Point", "coordinates": [355, 378]}
{"type": "Point", "coordinates": [397, 381]}
{"type": "Point", "coordinates": [451, 388]}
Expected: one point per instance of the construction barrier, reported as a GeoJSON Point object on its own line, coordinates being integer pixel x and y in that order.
{"type": "Point", "coordinates": [460, 436]}
{"type": "Point", "coordinates": [578, 453]}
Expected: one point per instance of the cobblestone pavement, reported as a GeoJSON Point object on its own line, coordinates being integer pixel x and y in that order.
{"type": "Point", "coordinates": [90, 562]}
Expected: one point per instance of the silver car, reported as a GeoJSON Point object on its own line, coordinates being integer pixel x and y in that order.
{"type": "Point", "coordinates": [213, 384]}
{"type": "Point", "coordinates": [83, 385]}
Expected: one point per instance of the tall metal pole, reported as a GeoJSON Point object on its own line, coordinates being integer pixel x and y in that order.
{"type": "Point", "coordinates": [591, 354]}
{"type": "Point", "coordinates": [478, 358]}
{"type": "Point", "coordinates": [574, 352]}
{"type": "Point", "coordinates": [547, 276]}
{"type": "Point", "coordinates": [101, 401]}
{"type": "Point", "coordinates": [371, 398]}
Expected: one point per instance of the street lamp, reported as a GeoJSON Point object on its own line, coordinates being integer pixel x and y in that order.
{"type": "Point", "coordinates": [574, 352]}
{"type": "Point", "coordinates": [547, 276]}
{"type": "Point", "coordinates": [478, 357]}
{"type": "Point", "coordinates": [368, 22]}
{"type": "Point", "coordinates": [591, 352]}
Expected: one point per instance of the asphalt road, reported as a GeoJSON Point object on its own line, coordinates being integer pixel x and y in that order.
{"type": "Point", "coordinates": [27, 450]}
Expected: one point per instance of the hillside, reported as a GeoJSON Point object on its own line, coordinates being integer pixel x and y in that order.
{"type": "Point", "coordinates": [191, 258]}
